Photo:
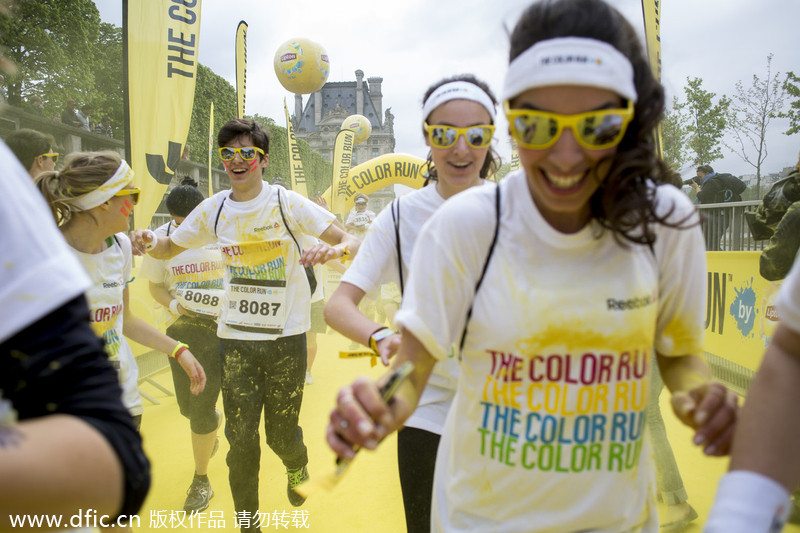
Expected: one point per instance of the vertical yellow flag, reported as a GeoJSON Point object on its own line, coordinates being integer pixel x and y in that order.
{"type": "Point", "coordinates": [342, 159]}
{"type": "Point", "coordinates": [162, 39]}
{"type": "Point", "coordinates": [241, 66]}
{"type": "Point", "coordinates": [298, 177]}
{"type": "Point", "coordinates": [210, 148]}
{"type": "Point", "coordinates": [651, 9]}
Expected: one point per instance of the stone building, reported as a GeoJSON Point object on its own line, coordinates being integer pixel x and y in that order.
{"type": "Point", "coordinates": [321, 119]}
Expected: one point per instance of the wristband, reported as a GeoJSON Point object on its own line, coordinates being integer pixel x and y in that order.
{"type": "Point", "coordinates": [377, 336]}
{"type": "Point", "coordinates": [747, 502]}
{"type": "Point", "coordinates": [345, 254]}
{"type": "Point", "coordinates": [173, 307]}
{"type": "Point", "coordinates": [153, 240]}
{"type": "Point", "coordinates": [179, 349]}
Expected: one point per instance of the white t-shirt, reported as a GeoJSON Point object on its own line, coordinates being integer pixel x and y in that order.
{"type": "Point", "coordinates": [194, 277]}
{"type": "Point", "coordinates": [788, 299]}
{"type": "Point", "coordinates": [546, 431]}
{"type": "Point", "coordinates": [39, 272]}
{"type": "Point", "coordinates": [110, 272]}
{"type": "Point", "coordinates": [362, 220]}
{"type": "Point", "coordinates": [266, 291]}
{"type": "Point", "coordinates": [376, 264]}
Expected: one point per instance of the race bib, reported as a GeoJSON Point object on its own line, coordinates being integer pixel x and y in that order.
{"type": "Point", "coordinates": [202, 301]}
{"type": "Point", "coordinates": [256, 305]}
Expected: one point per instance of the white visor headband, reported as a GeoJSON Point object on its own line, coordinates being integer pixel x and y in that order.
{"type": "Point", "coordinates": [114, 184]}
{"type": "Point", "coordinates": [570, 61]}
{"type": "Point", "coordinates": [457, 90]}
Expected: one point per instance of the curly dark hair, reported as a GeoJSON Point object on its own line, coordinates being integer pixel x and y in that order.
{"type": "Point", "coordinates": [625, 201]}
{"type": "Point", "coordinates": [492, 162]}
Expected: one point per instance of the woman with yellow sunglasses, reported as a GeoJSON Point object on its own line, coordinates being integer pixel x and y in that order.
{"type": "Point", "coordinates": [458, 124]}
{"type": "Point", "coordinates": [559, 284]}
{"type": "Point", "coordinates": [92, 199]}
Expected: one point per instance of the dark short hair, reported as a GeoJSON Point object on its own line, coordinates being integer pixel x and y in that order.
{"type": "Point", "coordinates": [183, 198]}
{"type": "Point", "coordinates": [28, 144]}
{"type": "Point", "coordinates": [239, 127]}
{"type": "Point", "coordinates": [705, 169]}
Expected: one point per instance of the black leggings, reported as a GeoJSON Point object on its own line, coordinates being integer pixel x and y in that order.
{"type": "Point", "coordinates": [416, 459]}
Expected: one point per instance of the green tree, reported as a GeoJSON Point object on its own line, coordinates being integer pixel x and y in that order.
{"type": "Point", "coordinates": [107, 95]}
{"type": "Point", "coordinates": [209, 87]}
{"type": "Point", "coordinates": [54, 46]}
{"type": "Point", "coordinates": [706, 121]}
{"type": "Point", "coordinates": [792, 87]}
{"type": "Point", "coordinates": [673, 136]}
{"type": "Point", "coordinates": [752, 109]}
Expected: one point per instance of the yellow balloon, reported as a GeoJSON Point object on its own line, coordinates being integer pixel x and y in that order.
{"type": "Point", "coordinates": [360, 125]}
{"type": "Point", "coordinates": [301, 65]}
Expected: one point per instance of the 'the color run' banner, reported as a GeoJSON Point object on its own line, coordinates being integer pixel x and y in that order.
{"type": "Point", "coordinates": [652, 31]}
{"type": "Point", "coordinates": [162, 39]}
{"type": "Point", "coordinates": [374, 175]}
{"type": "Point", "coordinates": [740, 311]}
{"type": "Point", "coordinates": [342, 159]}
{"type": "Point", "coordinates": [241, 66]}
{"type": "Point", "coordinates": [298, 177]}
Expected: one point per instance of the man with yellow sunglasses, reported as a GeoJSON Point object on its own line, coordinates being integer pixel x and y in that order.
{"type": "Point", "coordinates": [34, 150]}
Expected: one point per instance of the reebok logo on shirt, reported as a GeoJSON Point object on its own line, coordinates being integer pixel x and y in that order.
{"type": "Point", "coordinates": [629, 304]}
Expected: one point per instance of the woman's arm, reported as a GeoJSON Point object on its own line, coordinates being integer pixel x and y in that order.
{"type": "Point", "coordinates": [708, 407]}
{"type": "Point", "coordinates": [140, 331]}
{"type": "Point", "coordinates": [362, 419]}
{"type": "Point", "coordinates": [342, 314]}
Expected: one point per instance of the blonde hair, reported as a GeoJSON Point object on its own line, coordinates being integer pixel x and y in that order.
{"type": "Point", "coordinates": [83, 172]}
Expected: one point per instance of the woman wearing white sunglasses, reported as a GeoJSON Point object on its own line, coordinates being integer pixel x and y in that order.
{"type": "Point", "coordinates": [458, 125]}
{"type": "Point", "coordinates": [589, 263]}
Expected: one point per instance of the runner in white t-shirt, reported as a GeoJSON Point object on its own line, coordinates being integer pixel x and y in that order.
{"type": "Point", "coordinates": [765, 466]}
{"type": "Point", "coordinates": [190, 289]}
{"type": "Point", "coordinates": [92, 198]}
{"type": "Point", "coordinates": [458, 114]}
{"type": "Point", "coordinates": [584, 264]}
{"type": "Point", "coordinates": [265, 311]}
{"type": "Point", "coordinates": [68, 442]}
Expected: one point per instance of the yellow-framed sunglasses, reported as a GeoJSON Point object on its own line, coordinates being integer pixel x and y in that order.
{"type": "Point", "coordinates": [443, 136]}
{"type": "Point", "coordinates": [51, 155]}
{"type": "Point", "coordinates": [594, 130]}
{"type": "Point", "coordinates": [247, 153]}
{"type": "Point", "coordinates": [134, 192]}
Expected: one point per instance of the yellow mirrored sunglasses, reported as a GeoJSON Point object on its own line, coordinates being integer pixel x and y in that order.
{"type": "Point", "coordinates": [443, 136]}
{"type": "Point", "coordinates": [594, 130]}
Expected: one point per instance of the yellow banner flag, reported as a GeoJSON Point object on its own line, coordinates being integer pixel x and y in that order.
{"type": "Point", "coordinates": [298, 177]}
{"type": "Point", "coordinates": [162, 39]}
{"type": "Point", "coordinates": [651, 9]}
{"type": "Point", "coordinates": [241, 66]}
{"type": "Point", "coordinates": [210, 148]}
{"type": "Point", "coordinates": [342, 158]}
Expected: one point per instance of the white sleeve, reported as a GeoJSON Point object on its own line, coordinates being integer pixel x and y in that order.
{"type": "Point", "coordinates": [788, 299]}
{"type": "Point", "coordinates": [305, 214]}
{"type": "Point", "coordinates": [197, 229]}
{"type": "Point", "coordinates": [40, 272]}
{"type": "Point", "coordinates": [681, 258]}
{"type": "Point", "coordinates": [376, 260]}
{"type": "Point", "coordinates": [447, 261]}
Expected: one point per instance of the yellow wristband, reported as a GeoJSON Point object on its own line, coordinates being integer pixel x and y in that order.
{"type": "Point", "coordinates": [178, 350]}
{"type": "Point", "coordinates": [345, 254]}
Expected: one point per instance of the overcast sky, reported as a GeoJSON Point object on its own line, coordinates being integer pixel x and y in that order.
{"type": "Point", "coordinates": [413, 43]}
